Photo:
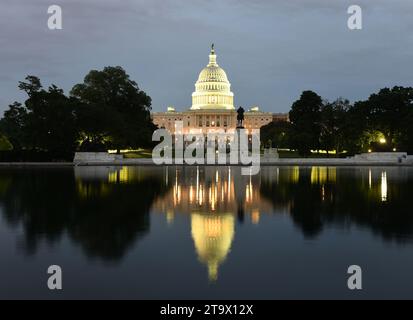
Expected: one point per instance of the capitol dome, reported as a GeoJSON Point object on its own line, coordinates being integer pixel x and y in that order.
{"type": "Point", "coordinates": [212, 90]}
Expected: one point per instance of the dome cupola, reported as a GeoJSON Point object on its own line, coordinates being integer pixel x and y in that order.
{"type": "Point", "coordinates": [212, 90]}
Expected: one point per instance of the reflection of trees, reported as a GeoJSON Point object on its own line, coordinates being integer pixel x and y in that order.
{"type": "Point", "coordinates": [346, 199]}
{"type": "Point", "coordinates": [104, 218]}
{"type": "Point", "coordinates": [300, 195]}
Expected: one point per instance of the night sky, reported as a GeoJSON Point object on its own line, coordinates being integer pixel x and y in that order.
{"type": "Point", "coordinates": [271, 50]}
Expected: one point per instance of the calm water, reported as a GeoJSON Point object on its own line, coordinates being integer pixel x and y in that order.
{"type": "Point", "coordinates": [172, 233]}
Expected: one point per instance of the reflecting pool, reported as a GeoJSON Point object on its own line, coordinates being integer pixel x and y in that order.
{"type": "Point", "coordinates": [206, 232]}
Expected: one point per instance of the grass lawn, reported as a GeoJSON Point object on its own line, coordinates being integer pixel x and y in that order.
{"type": "Point", "coordinates": [138, 154]}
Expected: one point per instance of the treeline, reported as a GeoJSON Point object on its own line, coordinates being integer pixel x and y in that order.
{"type": "Point", "coordinates": [384, 122]}
{"type": "Point", "coordinates": [109, 111]}
{"type": "Point", "coordinates": [106, 111]}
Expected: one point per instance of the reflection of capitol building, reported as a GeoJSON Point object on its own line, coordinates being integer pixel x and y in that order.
{"type": "Point", "coordinates": [213, 106]}
{"type": "Point", "coordinates": [211, 190]}
{"type": "Point", "coordinates": [212, 235]}
{"type": "Point", "coordinates": [213, 197]}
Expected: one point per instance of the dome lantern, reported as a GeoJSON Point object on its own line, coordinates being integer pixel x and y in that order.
{"type": "Point", "coordinates": [212, 57]}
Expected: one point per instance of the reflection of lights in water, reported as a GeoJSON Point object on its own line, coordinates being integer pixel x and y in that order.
{"type": "Point", "coordinates": [323, 193]}
{"type": "Point", "coordinates": [215, 195]}
{"type": "Point", "coordinates": [197, 184]}
{"type": "Point", "coordinates": [384, 186]}
{"type": "Point", "coordinates": [255, 217]}
{"type": "Point", "coordinates": [222, 193]}
{"type": "Point", "coordinates": [125, 175]}
{"type": "Point", "coordinates": [86, 190]}
{"type": "Point", "coordinates": [176, 178]}
{"type": "Point", "coordinates": [191, 194]}
{"type": "Point", "coordinates": [177, 194]}
{"type": "Point", "coordinates": [212, 197]}
{"type": "Point", "coordinates": [248, 193]}
{"type": "Point", "coordinates": [321, 175]}
{"type": "Point", "coordinates": [170, 215]}
{"type": "Point", "coordinates": [212, 210]}
{"type": "Point", "coordinates": [121, 175]}
{"type": "Point", "coordinates": [201, 195]}
{"type": "Point", "coordinates": [295, 174]}
{"type": "Point", "coordinates": [212, 237]}
{"type": "Point", "coordinates": [229, 183]}
{"type": "Point", "coordinates": [177, 190]}
{"type": "Point", "coordinates": [370, 179]}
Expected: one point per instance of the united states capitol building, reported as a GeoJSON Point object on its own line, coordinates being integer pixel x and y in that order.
{"type": "Point", "coordinates": [213, 106]}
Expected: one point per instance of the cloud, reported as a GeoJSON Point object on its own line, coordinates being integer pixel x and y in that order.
{"type": "Point", "coordinates": [271, 50]}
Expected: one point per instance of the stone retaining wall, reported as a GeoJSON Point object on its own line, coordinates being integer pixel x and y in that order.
{"type": "Point", "coordinates": [81, 157]}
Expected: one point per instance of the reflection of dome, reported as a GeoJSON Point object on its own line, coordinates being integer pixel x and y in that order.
{"type": "Point", "coordinates": [213, 90]}
{"type": "Point", "coordinates": [212, 235]}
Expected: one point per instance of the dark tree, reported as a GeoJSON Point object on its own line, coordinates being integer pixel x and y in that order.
{"type": "Point", "coordinates": [32, 86]}
{"type": "Point", "coordinates": [46, 121]}
{"type": "Point", "coordinates": [387, 111]}
{"type": "Point", "coordinates": [276, 134]}
{"type": "Point", "coordinates": [333, 125]}
{"type": "Point", "coordinates": [408, 132]}
{"type": "Point", "coordinates": [114, 110]}
{"type": "Point", "coordinates": [305, 116]}
{"type": "Point", "coordinates": [5, 144]}
{"type": "Point", "coordinates": [13, 125]}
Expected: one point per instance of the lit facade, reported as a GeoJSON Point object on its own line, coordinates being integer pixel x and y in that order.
{"type": "Point", "coordinates": [213, 106]}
